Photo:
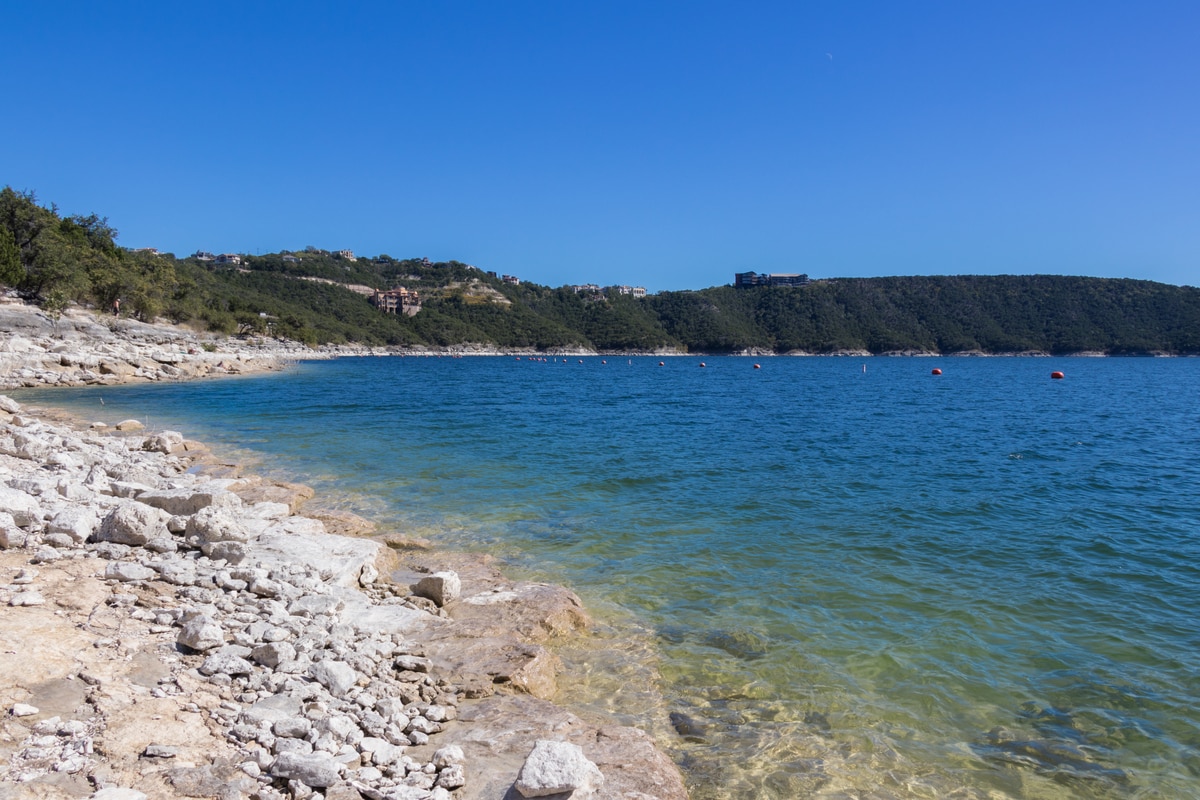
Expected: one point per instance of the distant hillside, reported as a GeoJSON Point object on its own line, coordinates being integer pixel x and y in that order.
{"type": "Point", "coordinates": [314, 296]}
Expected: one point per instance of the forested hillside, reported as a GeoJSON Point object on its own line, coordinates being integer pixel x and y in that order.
{"type": "Point", "coordinates": [317, 297]}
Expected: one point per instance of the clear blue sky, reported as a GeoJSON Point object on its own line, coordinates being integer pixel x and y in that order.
{"type": "Point", "coordinates": [664, 144]}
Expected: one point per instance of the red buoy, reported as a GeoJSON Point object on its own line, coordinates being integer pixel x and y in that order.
{"type": "Point", "coordinates": [758, 366]}
{"type": "Point", "coordinates": [1058, 376]}
{"type": "Point", "coordinates": [703, 364]}
{"type": "Point", "coordinates": [661, 363]}
{"type": "Point", "coordinates": [937, 371]}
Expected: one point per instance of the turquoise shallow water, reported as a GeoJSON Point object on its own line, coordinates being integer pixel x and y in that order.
{"type": "Point", "coordinates": [879, 584]}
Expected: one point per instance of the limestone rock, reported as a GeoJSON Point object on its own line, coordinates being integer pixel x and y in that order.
{"type": "Point", "coordinates": [164, 442]}
{"type": "Point", "coordinates": [448, 756]}
{"type": "Point", "coordinates": [215, 524]}
{"type": "Point", "coordinates": [118, 793]}
{"type": "Point", "coordinates": [126, 424]}
{"type": "Point", "coordinates": [336, 676]}
{"type": "Point", "coordinates": [78, 522]}
{"type": "Point", "coordinates": [293, 495]}
{"type": "Point", "coordinates": [273, 654]}
{"type": "Point", "coordinates": [24, 509]}
{"type": "Point", "coordinates": [312, 769]}
{"type": "Point", "coordinates": [133, 523]}
{"type": "Point", "coordinates": [440, 587]}
{"type": "Point", "coordinates": [226, 663]}
{"type": "Point", "coordinates": [185, 502]}
{"type": "Point", "coordinates": [200, 632]}
{"type": "Point", "coordinates": [126, 572]}
{"type": "Point", "coordinates": [10, 534]}
{"type": "Point", "coordinates": [556, 767]}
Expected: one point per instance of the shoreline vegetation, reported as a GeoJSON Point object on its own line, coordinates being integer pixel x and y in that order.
{"type": "Point", "coordinates": [176, 628]}
{"type": "Point", "coordinates": [321, 298]}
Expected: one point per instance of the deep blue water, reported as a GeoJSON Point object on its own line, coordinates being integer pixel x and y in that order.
{"type": "Point", "coordinates": [881, 583]}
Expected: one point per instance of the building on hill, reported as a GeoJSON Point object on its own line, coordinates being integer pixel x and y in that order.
{"type": "Point", "coordinates": [632, 291]}
{"type": "Point", "coordinates": [397, 301]}
{"type": "Point", "coordinates": [227, 258]}
{"type": "Point", "coordinates": [741, 279]}
{"type": "Point", "coordinates": [513, 279]}
{"type": "Point", "coordinates": [347, 255]}
{"type": "Point", "coordinates": [203, 255]}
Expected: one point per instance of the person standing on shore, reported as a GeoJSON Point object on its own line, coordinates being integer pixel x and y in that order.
{"type": "Point", "coordinates": [117, 307]}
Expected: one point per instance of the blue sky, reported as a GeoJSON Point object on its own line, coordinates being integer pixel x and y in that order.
{"type": "Point", "coordinates": [663, 144]}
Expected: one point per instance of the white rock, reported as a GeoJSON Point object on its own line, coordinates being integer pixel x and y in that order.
{"type": "Point", "coordinates": [133, 523]}
{"type": "Point", "coordinates": [185, 502]}
{"type": "Point", "coordinates": [118, 793]}
{"type": "Point", "coordinates": [8, 405]}
{"type": "Point", "coordinates": [30, 598]}
{"type": "Point", "coordinates": [163, 442]}
{"type": "Point", "coordinates": [440, 587]}
{"type": "Point", "coordinates": [312, 769]}
{"type": "Point", "coordinates": [452, 777]}
{"type": "Point", "coordinates": [226, 664]}
{"type": "Point", "coordinates": [273, 654]}
{"type": "Point", "coordinates": [201, 633]}
{"type": "Point", "coordinates": [336, 676]}
{"type": "Point", "coordinates": [447, 756]}
{"type": "Point", "coordinates": [555, 767]}
{"type": "Point", "coordinates": [216, 524]}
{"type": "Point", "coordinates": [24, 509]}
{"type": "Point", "coordinates": [23, 710]}
{"type": "Point", "coordinates": [127, 572]}
{"type": "Point", "coordinates": [78, 522]}
{"type": "Point", "coordinates": [10, 535]}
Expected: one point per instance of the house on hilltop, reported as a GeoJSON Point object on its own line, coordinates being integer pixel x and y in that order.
{"type": "Point", "coordinates": [397, 301]}
{"type": "Point", "coordinates": [741, 279]}
{"type": "Point", "coordinates": [632, 291]}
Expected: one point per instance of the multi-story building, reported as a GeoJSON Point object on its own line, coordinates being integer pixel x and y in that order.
{"type": "Point", "coordinates": [397, 301]}
{"type": "Point", "coordinates": [772, 279]}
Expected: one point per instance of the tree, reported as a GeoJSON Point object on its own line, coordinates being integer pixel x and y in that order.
{"type": "Point", "coordinates": [11, 271]}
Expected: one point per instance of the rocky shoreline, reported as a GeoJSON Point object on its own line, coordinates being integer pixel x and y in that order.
{"type": "Point", "coordinates": [172, 628]}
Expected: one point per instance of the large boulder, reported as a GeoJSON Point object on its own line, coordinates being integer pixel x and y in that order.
{"type": "Point", "coordinates": [165, 442]}
{"type": "Point", "coordinates": [133, 523]}
{"type": "Point", "coordinates": [556, 767]}
{"type": "Point", "coordinates": [10, 534]}
{"type": "Point", "coordinates": [185, 502]}
{"type": "Point", "coordinates": [216, 524]}
{"type": "Point", "coordinates": [312, 769]}
{"type": "Point", "coordinates": [24, 509]}
{"type": "Point", "coordinates": [78, 522]}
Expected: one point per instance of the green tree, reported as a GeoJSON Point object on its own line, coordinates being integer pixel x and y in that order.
{"type": "Point", "coordinates": [11, 271]}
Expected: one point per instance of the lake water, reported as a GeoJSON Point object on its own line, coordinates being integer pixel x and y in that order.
{"type": "Point", "coordinates": [837, 583]}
